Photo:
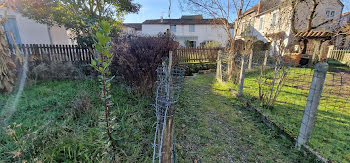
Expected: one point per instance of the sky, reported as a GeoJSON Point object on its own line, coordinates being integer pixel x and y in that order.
{"type": "Point", "coordinates": [154, 9]}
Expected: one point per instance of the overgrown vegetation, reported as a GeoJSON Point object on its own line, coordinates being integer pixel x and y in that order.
{"type": "Point", "coordinates": [7, 65]}
{"type": "Point", "coordinates": [137, 58]}
{"type": "Point", "coordinates": [56, 71]}
{"type": "Point", "coordinates": [56, 121]}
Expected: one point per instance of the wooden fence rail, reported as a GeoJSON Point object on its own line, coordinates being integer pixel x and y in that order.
{"type": "Point", "coordinates": [78, 54]}
{"type": "Point", "coordinates": [55, 53]}
{"type": "Point", "coordinates": [341, 55]}
{"type": "Point", "coordinates": [196, 55]}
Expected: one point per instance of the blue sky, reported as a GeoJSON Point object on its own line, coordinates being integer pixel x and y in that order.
{"type": "Point", "coordinates": [154, 9]}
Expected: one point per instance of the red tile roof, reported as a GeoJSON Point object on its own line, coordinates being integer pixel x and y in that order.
{"type": "Point", "coordinates": [344, 14]}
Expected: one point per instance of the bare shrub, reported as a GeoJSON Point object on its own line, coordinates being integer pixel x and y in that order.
{"type": "Point", "coordinates": [81, 108]}
{"type": "Point", "coordinates": [56, 70]}
{"type": "Point", "coordinates": [137, 58]}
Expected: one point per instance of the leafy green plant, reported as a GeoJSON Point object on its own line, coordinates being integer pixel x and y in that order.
{"type": "Point", "coordinates": [102, 64]}
{"type": "Point", "coordinates": [212, 44]}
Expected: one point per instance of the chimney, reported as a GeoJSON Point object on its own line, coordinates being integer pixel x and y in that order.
{"type": "Point", "coordinates": [259, 7]}
{"type": "Point", "coordinates": [161, 19]}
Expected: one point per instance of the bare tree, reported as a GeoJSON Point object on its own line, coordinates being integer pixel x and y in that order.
{"type": "Point", "coordinates": [225, 12]}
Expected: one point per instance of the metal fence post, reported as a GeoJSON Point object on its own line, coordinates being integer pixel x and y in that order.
{"type": "Point", "coordinates": [218, 67]}
{"type": "Point", "coordinates": [242, 75]}
{"type": "Point", "coordinates": [313, 101]}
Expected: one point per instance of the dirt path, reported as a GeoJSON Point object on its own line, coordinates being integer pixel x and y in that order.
{"type": "Point", "coordinates": [211, 126]}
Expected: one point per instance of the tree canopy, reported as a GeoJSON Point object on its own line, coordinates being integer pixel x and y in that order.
{"type": "Point", "coordinates": [77, 15]}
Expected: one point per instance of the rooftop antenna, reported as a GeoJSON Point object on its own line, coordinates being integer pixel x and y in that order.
{"type": "Point", "coordinates": [169, 12]}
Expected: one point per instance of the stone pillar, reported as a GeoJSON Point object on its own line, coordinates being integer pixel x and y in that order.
{"type": "Point", "coordinates": [218, 67]}
{"type": "Point", "coordinates": [242, 75]}
{"type": "Point", "coordinates": [313, 101]}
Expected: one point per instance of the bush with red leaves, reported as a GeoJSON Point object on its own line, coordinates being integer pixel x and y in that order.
{"type": "Point", "coordinates": [137, 58]}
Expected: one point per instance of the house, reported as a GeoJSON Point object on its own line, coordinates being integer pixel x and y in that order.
{"type": "Point", "coordinates": [132, 28]}
{"type": "Point", "coordinates": [27, 31]}
{"type": "Point", "coordinates": [192, 30]}
{"type": "Point", "coordinates": [345, 19]}
{"type": "Point", "coordinates": [343, 37]}
{"type": "Point", "coordinates": [274, 16]}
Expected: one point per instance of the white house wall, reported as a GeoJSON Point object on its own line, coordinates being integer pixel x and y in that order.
{"type": "Point", "coordinates": [202, 32]}
{"type": "Point", "coordinates": [59, 35]}
{"type": "Point", "coordinates": [154, 29]}
{"type": "Point", "coordinates": [32, 32]}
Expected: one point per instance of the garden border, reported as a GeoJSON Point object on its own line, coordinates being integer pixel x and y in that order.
{"type": "Point", "coordinates": [282, 132]}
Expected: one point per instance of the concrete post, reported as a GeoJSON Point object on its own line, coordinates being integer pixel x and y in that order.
{"type": "Point", "coordinates": [218, 67]}
{"type": "Point", "coordinates": [266, 56]}
{"type": "Point", "coordinates": [242, 75]}
{"type": "Point", "coordinates": [313, 101]}
{"type": "Point", "coordinates": [250, 60]}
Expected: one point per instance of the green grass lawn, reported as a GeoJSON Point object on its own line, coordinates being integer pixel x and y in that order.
{"type": "Point", "coordinates": [331, 134]}
{"type": "Point", "coordinates": [212, 126]}
{"type": "Point", "coordinates": [55, 130]}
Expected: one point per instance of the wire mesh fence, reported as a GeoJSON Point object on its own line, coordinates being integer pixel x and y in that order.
{"type": "Point", "coordinates": [282, 88]}
{"type": "Point", "coordinates": [167, 94]}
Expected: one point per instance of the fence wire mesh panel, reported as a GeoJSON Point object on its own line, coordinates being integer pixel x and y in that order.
{"type": "Point", "coordinates": [282, 86]}
{"type": "Point", "coordinates": [167, 94]}
{"type": "Point", "coordinates": [331, 133]}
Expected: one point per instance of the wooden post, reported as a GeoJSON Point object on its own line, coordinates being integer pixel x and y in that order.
{"type": "Point", "coordinates": [167, 148]}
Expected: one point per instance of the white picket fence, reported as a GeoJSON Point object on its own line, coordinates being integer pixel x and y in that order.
{"type": "Point", "coordinates": [341, 55]}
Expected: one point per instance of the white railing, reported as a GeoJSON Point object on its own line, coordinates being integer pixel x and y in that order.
{"type": "Point", "coordinates": [341, 55]}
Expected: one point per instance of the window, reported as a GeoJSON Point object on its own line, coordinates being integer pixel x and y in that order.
{"type": "Point", "coordinates": [192, 28]}
{"type": "Point", "coordinates": [242, 27]}
{"type": "Point", "coordinates": [11, 26]}
{"type": "Point", "coordinates": [330, 13]}
{"type": "Point", "coordinates": [261, 25]}
{"type": "Point", "coordinates": [274, 20]}
{"type": "Point", "coordinates": [193, 44]}
{"type": "Point", "coordinates": [172, 28]}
